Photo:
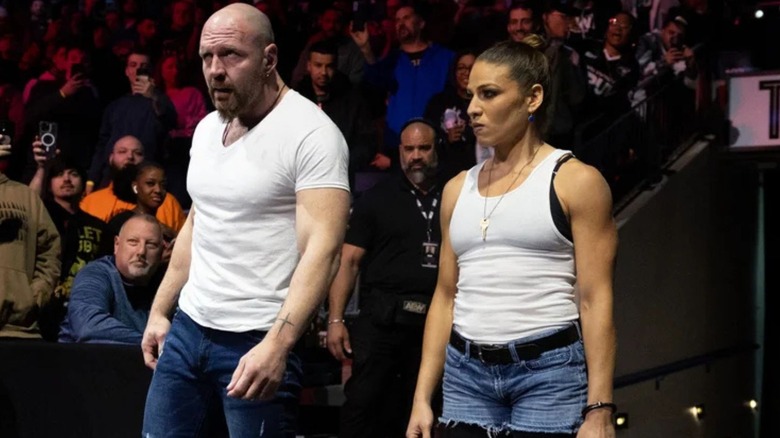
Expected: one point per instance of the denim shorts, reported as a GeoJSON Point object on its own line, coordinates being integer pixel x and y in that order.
{"type": "Point", "coordinates": [542, 395]}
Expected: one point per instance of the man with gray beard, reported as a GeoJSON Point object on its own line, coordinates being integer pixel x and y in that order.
{"type": "Point", "coordinates": [111, 296]}
{"type": "Point", "coordinates": [394, 236]}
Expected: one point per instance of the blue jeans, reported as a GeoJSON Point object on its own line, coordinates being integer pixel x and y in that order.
{"type": "Point", "coordinates": [542, 395]}
{"type": "Point", "coordinates": [196, 365]}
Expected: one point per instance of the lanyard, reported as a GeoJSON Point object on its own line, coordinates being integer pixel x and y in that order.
{"type": "Point", "coordinates": [427, 215]}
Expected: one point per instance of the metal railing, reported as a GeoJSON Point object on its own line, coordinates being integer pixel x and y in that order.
{"type": "Point", "coordinates": [633, 150]}
{"type": "Point", "coordinates": [659, 372]}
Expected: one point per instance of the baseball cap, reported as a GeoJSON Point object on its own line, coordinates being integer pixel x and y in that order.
{"type": "Point", "coordinates": [680, 20]}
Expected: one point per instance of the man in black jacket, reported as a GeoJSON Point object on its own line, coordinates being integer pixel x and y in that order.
{"type": "Point", "coordinates": [146, 113]}
{"type": "Point", "coordinates": [69, 101]}
{"type": "Point", "coordinates": [334, 94]}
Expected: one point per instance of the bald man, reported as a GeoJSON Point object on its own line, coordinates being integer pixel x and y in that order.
{"type": "Point", "coordinates": [268, 179]}
{"type": "Point", "coordinates": [394, 237]}
{"type": "Point", "coordinates": [104, 204]}
{"type": "Point", "coordinates": [110, 298]}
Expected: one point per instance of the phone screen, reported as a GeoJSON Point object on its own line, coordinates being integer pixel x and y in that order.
{"type": "Point", "coordinates": [78, 69]}
{"type": "Point", "coordinates": [143, 71]}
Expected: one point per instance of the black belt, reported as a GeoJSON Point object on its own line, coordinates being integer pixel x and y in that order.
{"type": "Point", "coordinates": [501, 354]}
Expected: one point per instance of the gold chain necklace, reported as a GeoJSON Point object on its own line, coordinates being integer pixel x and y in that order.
{"type": "Point", "coordinates": [485, 221]}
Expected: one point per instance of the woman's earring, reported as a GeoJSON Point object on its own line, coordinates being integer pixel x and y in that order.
{"type": "Point", "coordinates": [531, 117]}
{"type": "Point", "coordinates": [135, 189]}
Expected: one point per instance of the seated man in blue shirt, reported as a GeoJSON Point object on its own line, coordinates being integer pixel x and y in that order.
{"type": "Point", "coordinates": [111, 296]}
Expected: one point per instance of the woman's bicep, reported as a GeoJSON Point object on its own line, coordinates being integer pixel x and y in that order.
{"type": "Point", "coordinates": [589, 203]}
{"type": "Point", "coordinates": [448, 262]}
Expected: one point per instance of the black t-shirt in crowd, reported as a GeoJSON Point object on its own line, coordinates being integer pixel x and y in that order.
{"type": "Point", "coordinates": [609, 79]}
{"type": "Point", "coordinates": [387, 222]}
{"type": "Point", "coordinates": [83, 238]}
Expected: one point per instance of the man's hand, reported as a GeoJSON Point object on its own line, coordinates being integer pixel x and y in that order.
{"type": "Point", "coordinates": [144, 86]}
{"type": "Point", "coordinates": [73, 85]}
{"type": "Point", "coordinates": [259, 373]}
{"type": "Point", "coordinates": [154, 338]}
{"type": "Point", "coordinates": [338, 341]}
{"type": "Point", "coordinates": [381, 162]}
{"type": "Point", "coordinates": [167, 249]}
{"type": "Point", "coordinates": [39, 153]}
{"type": "Point", "coordinates": [5, 146]}
{"type": "Point", "coordinates": [456, 132]}
{"type": "Point", "coordinates": [673, 55]}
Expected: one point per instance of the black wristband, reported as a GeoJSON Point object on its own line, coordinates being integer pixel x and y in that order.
{"type": "Point", "coordinates": [599, 405]}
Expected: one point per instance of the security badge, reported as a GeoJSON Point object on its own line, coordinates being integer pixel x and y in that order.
{"type": "Point", "coordinates": [430, 255]}
{"type": "Point", "coordinates": [430, 249]}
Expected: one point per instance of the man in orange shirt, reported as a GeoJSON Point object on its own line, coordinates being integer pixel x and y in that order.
{"type": "Point", "coordinates": [103, 203]}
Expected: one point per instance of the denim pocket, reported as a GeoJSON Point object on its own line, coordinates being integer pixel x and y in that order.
{"type": "Point", "coordinates": [455, 358]}
{"type": "Point", "coordinates": [550, 360]}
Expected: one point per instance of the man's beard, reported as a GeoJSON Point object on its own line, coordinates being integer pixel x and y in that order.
{"type": "Point", "coordinates": [322, 83]}
{"type": "Point", "coordinates": [406, 37]}
{"type": "Point", "coordinates": [417, 176]}
{"type": "Point", "coordinates": [420, 175]}
{"type": "Point", "coordinates": [140, 272]}
{"type": "Point", "coordinates": [72, 197]}
{"type": "Point", "coordinates": [230, 109]}
{"type": "Point", "coordinates": [240, 99]}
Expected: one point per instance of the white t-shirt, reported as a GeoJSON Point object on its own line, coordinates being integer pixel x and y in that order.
{"type": "Point", "coordinates": [244, 248]}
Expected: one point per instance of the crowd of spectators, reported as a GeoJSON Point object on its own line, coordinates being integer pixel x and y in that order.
{"type": "Point", "coordinates": [100, 98]}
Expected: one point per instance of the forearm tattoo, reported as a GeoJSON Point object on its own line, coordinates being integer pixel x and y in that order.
{"type": "Point", "coordinates": [285, 321]}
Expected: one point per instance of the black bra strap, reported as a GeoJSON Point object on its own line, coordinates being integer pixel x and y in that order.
{"type": "Point", "coordinates": [558, 216]}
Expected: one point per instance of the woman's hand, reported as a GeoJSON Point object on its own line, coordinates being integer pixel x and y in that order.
{"type": "Point", "coordinates": [421, 421]}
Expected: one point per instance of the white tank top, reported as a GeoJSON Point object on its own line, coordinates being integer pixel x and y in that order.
{"type": "Point", "coordinates": [520, 280]}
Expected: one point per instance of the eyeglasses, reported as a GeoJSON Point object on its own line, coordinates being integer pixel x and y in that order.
{"type": "Point", "coordinates": [613, 22]}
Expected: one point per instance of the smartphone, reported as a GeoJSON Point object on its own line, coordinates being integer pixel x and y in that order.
{"type": "Point", "coordinates": [143, 71]}
{"type": "Point", "coordinates": [47, 133]}
{"type": "Point", "coordinates": [76, 69]}
{"type": "Point", "coordinates": [677, 43]}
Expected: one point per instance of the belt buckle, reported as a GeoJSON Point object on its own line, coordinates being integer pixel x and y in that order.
{"type": "Point", "coordinates": [481, 348]}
